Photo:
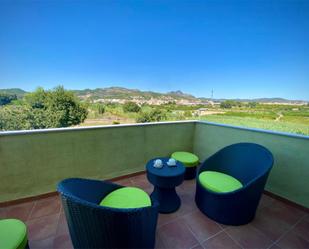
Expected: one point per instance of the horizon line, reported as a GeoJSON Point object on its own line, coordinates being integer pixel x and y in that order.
{"type": "Point", "coordinates": [160, 92]}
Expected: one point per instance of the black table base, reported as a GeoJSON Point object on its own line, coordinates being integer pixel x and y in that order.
{"type": "Point", "coordinates": [168, 199]}
{"type": "Point", "coordinates": [190, 173]}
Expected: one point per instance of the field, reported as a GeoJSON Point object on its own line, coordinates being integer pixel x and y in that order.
{"type": "Point", "coordinates": [273, 125]}
{"type": "Point", "coordinates": [284, 118]}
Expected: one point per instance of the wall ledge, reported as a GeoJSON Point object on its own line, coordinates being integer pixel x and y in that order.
{"type": "Point", "coordinates": [25, 132]}
{"type": "Point", "coordinates": [286, 134]}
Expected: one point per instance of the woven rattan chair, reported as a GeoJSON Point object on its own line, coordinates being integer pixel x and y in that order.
{"type": "Point", "coordinates": [95, 226]}
{"type": "Point", "coordinates": [247, 162]}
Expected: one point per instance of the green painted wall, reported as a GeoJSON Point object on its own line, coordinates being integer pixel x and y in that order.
{"type": "Point", "coordinates": [33, 163]}
{"type": "Point", "coordinates": [289, 177]}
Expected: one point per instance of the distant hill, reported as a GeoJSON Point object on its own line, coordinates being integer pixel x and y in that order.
{"type": "Point", "coordinates": [17, 91]}
{"type": "Point", "coordinates": [267, 100]}
{"type": "Point", "coordinates": [122, 94]}
{"type": "Point", "coordinates": [125, 93]}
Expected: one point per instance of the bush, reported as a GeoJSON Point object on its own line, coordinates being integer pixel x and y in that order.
{"type": "Point", "coordinates": [252, 104]}
{"type": "Point", "coordinates": [131, 107]}
{"type": "Point", "coordinates": [230, 103]}
{"type": "Point", "coordinates": [101, 108]}
{"type": "Point", "coordinates": [188, 114]}
{"type": "Point", "coordinates": [155, 115]}
{"type": "Point", "coordinates": [226, 104]}
{"type": "Point", "coordinates": [44, 109]}
{"type": "Point", "coordinates": [7, 98]}
{"type": "Point", "coordinates": [24, 117]}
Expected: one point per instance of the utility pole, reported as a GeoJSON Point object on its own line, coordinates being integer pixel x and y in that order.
{"type": "Point", "coordinates": [212, 94]}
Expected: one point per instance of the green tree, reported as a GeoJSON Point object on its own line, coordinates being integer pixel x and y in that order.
{"type": "Point", "coordinates": [188, 114]}
{"type": "Point", "coordinates": [131, 107]}
{"type": "Point", "coordinates": [44, 109]}
{"type": "Point", "coordinates": [7, 98]}
{"type": "Point", "coordinates": [37, 99]}
{"type": "Point", "coordinates": [68, 109]}
{"type": "Point", "coordinates": [252, 104]}
{"type": "Point", "coordinates": [155, 115]}
{"type": "Point", "coordinates": [101, 108]}
{"type": "Point", "coordinates": [226, 104]}
{"type": "Point", "coordinates": [24, 117]}
{"type": "Point", "coordinates": [229, 104]}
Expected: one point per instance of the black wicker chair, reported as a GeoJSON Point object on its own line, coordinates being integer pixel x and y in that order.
{"type": "Point", "coordinates": [250, 164]}
{"type": "Point", "coordinates": [94, 226]}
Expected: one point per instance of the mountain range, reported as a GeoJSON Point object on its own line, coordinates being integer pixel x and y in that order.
{"type": "Point", "coordinates": [121, 93]}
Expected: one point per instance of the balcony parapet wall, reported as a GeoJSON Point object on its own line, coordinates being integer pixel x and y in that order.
{"type": "Point", "coordinates": [32, 162]}
{"type": "Point", "coordinates": [289, 177]}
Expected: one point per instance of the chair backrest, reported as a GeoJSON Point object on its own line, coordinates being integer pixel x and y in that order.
{"type": "Point", "coordinates": [244, 161]}
{"type": "Point", "coordinates": [86, 189]}
{"type": "Point", "coordinates": [95, 226]}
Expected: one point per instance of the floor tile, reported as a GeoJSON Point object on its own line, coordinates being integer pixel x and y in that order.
{"type": "Point", "coordinates": [62, 242]}
{"type": "Point", "coordinates": [141, 181]}
{"type": "Point", "coordinates": [62, 228]}
{"type": "Point", "coordinates": [188, 186]}
{"type": "Point", "coordinates": [166, 218]}
{"type": "Point", "coordinates": [42, 244]}
{"type": "Point", "coordinates": [293, 240]}
{"type": "Point", "coordinates": [47, 206]}
{"type": "Point", "coordinates": [289, 214]}
{"type": "Point", "coordinates": [42, 228]}
{"type": "Point", "coordinates": [220, 241]}
{"type": "Point", "coordinates": [177, 235]}
{"type": "Point", "coordinates": [302, 228]}
{"type": "Point", "coordinates": [249, 237]}
{"type": "Point", "coordinates": [20, 211]}
{"type": "Point", "coordinates": [265, 201]}
{"type": "Point", "coordinates": [187, 204]}
{"type": "Point", "coordinates": [124, 182]}
{"type": "Point", "coordinates": [201, 226]}
{"type": "Point", "coordinates": [274, 246]}
{"type": "Point", "coordinates": [197, 247]}
{"type": "Point", "coordinates": [185, 228]}
{"type": "Point", "coordinates": [159, 241]}
{"type": "Point", "coordinates": [276, 219]}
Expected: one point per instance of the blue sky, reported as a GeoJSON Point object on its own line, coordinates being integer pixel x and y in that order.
{"type": "Point", "coordinates": [240, 49]}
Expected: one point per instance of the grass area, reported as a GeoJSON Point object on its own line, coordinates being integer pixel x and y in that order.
{"type": "Point", "coordinates": [284, 126]}
{"type": "Point", "coordinates": [290, 119]}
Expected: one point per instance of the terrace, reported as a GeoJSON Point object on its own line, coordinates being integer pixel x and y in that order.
{"type": "Point", "coordinates": [32, 162]}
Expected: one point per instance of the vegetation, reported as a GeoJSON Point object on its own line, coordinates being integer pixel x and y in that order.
{"type": "Point", "coordinates": [260, 124]}
{"type": "Point", "coordinates": [7, 98]}
{"type": "Point", "coordinates": [155, 115]}
{"type": "Point", "coordinates": [43, 109]}
{"type": "Point", "coordinates": [61, 108]}
{"type": "Point", "coordinates": [131, 107]}
{"type": "Point", "coordinates": [101, 108]}
{"type": "Point", "coordinates": [14, 91]}
{"type": "Point", "coordinates": [230, 103]}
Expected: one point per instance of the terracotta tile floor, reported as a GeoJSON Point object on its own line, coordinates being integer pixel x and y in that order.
{"type": "Point", "coordinates": [277, 225]}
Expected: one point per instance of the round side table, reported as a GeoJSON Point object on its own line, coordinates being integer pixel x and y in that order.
{"type": "Point", "coordinates": [165, 180]}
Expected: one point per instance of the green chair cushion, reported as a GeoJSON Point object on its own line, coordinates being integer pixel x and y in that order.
{"type": "Point", "coordinates": [126, 197]}
{"type": "Point", "coordinates": [187, 158]}
{"type": "Point", "coordinates": [13, 234]}
{"type": "Point", "coordinates": [219, 182]}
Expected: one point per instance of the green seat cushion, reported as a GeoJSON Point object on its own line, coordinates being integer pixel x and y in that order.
{"type": "Point", "coordinates": [126, 197]}
{"type": "Point", "coordinates": [187, 158]}
{"type": "Point", "coordinates": [13, 234]}
{"type": "Point", "coordinates": [219, 182]}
